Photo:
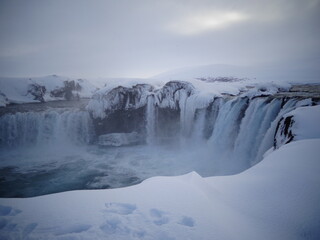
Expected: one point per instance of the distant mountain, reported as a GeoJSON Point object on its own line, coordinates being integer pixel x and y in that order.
{"type": "Point", "coordinates": [260, 73]}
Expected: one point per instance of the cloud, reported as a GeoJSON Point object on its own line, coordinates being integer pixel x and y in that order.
{"type": "Point", "coordinates": [141, 38]}
{"type": "Point", "coordinates": [199, 23]}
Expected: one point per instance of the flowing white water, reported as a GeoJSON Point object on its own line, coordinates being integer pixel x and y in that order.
{"type": "Point", "coordinates": [254, 125]}
{"type": "Point", "coordinates": [151, 121]}
{"type": "Point", "coordinates": [227, 126]}
{"type": "Point", "coordinates": [48, 127]}
{"type": "Point", "coordinates": [240, 130]}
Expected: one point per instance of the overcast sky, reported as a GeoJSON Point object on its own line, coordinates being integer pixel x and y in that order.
{"type": "Point", "coordinates": [140, 38]}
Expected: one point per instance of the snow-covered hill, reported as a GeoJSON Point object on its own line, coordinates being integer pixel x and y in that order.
{"type": "Point", "coordinates": [255, 73]}
{"type": "Point", "coordinates": [40, 89]}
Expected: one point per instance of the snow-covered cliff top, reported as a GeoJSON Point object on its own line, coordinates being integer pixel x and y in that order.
{"type": "Point", "coordinates": [48, 88]}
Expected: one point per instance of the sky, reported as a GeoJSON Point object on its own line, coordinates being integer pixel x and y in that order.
{"type": "Point", "coordinates": [141, 38]}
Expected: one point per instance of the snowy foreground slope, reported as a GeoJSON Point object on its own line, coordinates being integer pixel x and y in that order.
{"type": "Point", "coordinates": [276, 199]}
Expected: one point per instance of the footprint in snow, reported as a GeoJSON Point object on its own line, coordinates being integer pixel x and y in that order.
{"type": "Point", "coordinates": [159, 217]}
{"type": "Point", "coordinates": [187, 221]}
{"type": "Point", "coordinates": [77, 228]}
{"type": "Point", "coordinates": [8, 211]}
{"type": "Point", "coordinates": [28, 229]}
{"type": "Point", "coordinates": [120, 208]}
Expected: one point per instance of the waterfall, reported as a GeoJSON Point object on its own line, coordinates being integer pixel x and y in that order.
{"type": "Point", "coordinates": [236, 131]}
{"type": "Point", "coordinates": [227, 124]}
{"type": "Point", "coordinates": [257, 120]}
{"type": "Point", "coordinates": [151, 121]}
{"type": "Point", "coordinates": [47, 127]}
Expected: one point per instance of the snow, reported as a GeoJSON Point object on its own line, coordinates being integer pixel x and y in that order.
{"type": "Point", "coordinates": [306, 122]}
{"type": "Point", "coordinates": [255, 73]}
{"type": "Point", "coordinates": [16, 89]}
{"type": "Point", "coordinates": [276, 199]}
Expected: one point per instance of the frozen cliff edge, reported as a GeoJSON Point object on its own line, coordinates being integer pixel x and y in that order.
{"type": "Point", "coordinates": [174, 94]}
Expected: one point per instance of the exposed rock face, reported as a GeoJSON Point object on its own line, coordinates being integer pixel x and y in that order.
{"type": "Point", "coordinates": [37, 91]}
{"type": "Point", "coordinates": [69, 91]}
{"type": "Point", "coordinates": [119, 139]}
{"type": "Point", "coordinates": [121, 121]}
{"type": "Point", "coordinates": [173, 94]}
{"type": "Point", "coordinates": [127, 98]}
{"type": "Point", "coordinates": [284, 134]}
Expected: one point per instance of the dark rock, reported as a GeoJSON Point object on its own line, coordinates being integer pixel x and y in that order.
{"type": "Point", "coordinates": [121, 120]}
{"type": "Point", "coordinates": [67, 91]}
{"type": "Point", "coordinates": [169, 93]}
{"type": "Point", "coordinates": [37, 91]}
{"type": "Point", "coordinates": [127, 98]}
{"type": "Point", "coordinates": [283, 134]}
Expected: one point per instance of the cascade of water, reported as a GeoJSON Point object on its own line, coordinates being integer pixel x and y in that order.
{"type": "Point", "coordinates": [151, 120]}
{"type": "Point", "coordinates": [255, 123]}
{"type": "Point", "coordinates": [184, 116]}
{"type": "Point", "coordinates": [199, 126]}
{"type": "Point", "coordinates": [48, 127]}
{"type": "Point", "coordinates": [227, 124]}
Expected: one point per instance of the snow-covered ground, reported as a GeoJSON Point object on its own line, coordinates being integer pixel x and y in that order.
{"type": "Point", "coordinates": [18, 90]}
{"type": "Point", "coordinates": [276, 199]}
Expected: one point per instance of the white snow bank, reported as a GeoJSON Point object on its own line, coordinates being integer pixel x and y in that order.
{"type": "Point", "coordinates": [306, 122]}
{"type": "Point", "coordinates": [276, 199]}
{"type": "Point", "coordinates": [301, 123]}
